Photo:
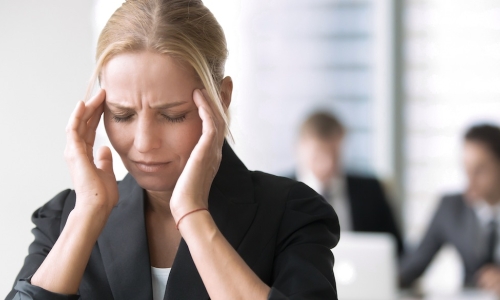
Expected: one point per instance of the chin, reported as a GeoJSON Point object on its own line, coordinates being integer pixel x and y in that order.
{"type": "Point", "coordinates": [155, 183]}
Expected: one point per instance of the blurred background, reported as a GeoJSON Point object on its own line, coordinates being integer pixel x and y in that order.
{"type": "Point", "coordinates": [405, 77]}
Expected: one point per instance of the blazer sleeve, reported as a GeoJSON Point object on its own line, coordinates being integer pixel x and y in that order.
{"type": "Point", "coordinates": [414, 263]}
{"type": "Point", "coordinates": [47, 220]}
{"type": "Point", "coordinates": [303, 265]}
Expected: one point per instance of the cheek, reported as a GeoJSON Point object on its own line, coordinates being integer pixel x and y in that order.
{"type": "Point", "coordinates": [118, 136]}
{"type": "Point", "coordinates": [493, 177]}
{"type": "Point", "coordinates": [184, 136]}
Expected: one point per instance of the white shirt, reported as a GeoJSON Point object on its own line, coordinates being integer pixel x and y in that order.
{"type": "Point", "coordinates": [485, 214]}
{"type": "Point", "coordinates": [337, 193]}
{"type": "Point", "coordinates": [159, 278]}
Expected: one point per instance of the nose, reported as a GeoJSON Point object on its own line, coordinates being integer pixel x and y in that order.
{"type": "Point", "coordinates": [147, 137]}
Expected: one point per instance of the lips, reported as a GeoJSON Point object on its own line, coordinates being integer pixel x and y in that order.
{"type": "Point", "coordinates": [150, 167]}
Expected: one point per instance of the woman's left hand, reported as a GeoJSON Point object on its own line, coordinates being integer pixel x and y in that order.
{"type": "Point", "coordinates": [193, 186]}
{"type": "Point", "coordinates": [224, 273]}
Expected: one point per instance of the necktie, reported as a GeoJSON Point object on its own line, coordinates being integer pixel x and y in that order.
{"type": "Point", "coordinates": [492, 241]}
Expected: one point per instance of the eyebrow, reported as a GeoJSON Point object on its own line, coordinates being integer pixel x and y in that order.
{"type": "Point", "coordinates": [160, 106]}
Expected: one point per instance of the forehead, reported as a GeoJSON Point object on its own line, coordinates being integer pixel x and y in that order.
{"type": "Point", "coordinates": [476, 147]}
{"type": "Point", "coordinates": [147, 75]}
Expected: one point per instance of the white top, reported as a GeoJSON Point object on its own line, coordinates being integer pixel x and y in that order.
{"type": "Point", "coordinates": [159, 278]}
{"type": "Point", "coordinates": [336, 194]}
{"type": "Point", "coordinates": [485, 214]}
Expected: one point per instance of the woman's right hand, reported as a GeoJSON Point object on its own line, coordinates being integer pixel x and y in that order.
{"type": "Point", "coordinates": [96, 194]}
{"type": "Point", "coordinates": [93, 178]}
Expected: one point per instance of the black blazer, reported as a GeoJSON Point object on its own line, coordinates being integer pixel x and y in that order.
{"type": "Point", "coordinates": [370, 210]}
{"type": "Point", "coordinates": [281, 228]}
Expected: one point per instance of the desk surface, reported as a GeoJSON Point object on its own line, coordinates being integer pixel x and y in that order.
{"type": "Point", "coordinates": [464, 295]}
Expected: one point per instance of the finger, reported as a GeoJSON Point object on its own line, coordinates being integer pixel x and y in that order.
{"type": "Point", "coordinates": [213, 107]}
{"type": "Point", "coordinates": [75, 144]}
{"type": "Point", "coordinates": [92, 104]}
{"type": "Point", "coordinates": [92, 125]}
{"type": "Point", "coordinates": [204, 109]}
{"type": "Point", "coordinates": [75, 152]}
{"type": "Point", "coordinates": [104, 160]}
{"type": "Point", "coordinates": [90, 107]}
{"type": "Point", "coordinates": [82, 113]}
{"type": "Point", "coordinates": [93, 122]}
{"type": "Point", "coordinates": [218, 116]}
{"type": "Point", "coordinates": [76, 116]}
{"type": "Point", "coordinates": [216, 125]}
{"type": "Point", "coordinates": [209, 127]}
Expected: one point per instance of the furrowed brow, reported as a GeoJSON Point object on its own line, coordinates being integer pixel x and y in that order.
{"type": "Point", "coordinates": [168, 105]}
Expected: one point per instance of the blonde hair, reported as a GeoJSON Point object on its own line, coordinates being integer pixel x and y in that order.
{"type": "Point", "coordinates": [183, 29]}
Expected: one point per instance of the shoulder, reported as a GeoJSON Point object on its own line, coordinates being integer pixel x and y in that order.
{"type": "Point", "coordinates": [299, 206]}
{"type": "Point", "coordinates": [453, 198]}
{"type": "Point", "coordinates": [55, 206]}
{"type": "Point", "coordinates": [364, 188]}
{"type": "Point", "coordinates": [50, 217]}
{"type": "Point", "coordinates": [364, 180]}
{"type": "Point", "coordinates": [281, 190]}
{"type": "Point", "coordinates": [451, 202]}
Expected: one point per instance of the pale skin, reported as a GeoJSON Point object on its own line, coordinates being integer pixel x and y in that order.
{"type": "Point", "coordinates": [170, 138]}
{"type": "Point", "coordinates": [483, 174]}
{"type": "Point", "coordinates": [321, 156]}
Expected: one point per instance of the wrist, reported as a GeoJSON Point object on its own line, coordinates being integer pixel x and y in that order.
{"type": "Point", "coordinates": [197, 226]}
{"type": "Point", "coordinates": [63, 268]}
{"type": "Point", "coordinates": [182, 210]}
{"type": "Point", "coordinates": [187, 214]}
{"type": "Point", "coordinates": [84, 209]}
{"type": "Point", "coordinates": [90, 221]}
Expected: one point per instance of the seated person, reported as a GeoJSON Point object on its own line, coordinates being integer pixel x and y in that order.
{"type": "Point", "coordinates": [468, 221]}
{"type": "Point", "coordinates": [360, 202]}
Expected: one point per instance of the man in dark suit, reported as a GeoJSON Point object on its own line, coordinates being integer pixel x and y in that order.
{"type": "Point", "coordinates": [468, 221]}
{"type": "Point", "coordinates": [360, 201]}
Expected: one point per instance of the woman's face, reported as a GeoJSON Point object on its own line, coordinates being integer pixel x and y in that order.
{"type": "Point", "coordinates": [483, 172]}
{"type": "Point", "coordinates": [150, 116]}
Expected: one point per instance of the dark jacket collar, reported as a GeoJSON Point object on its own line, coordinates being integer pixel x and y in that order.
{"type": "Point", "coordinates": [123, 242]}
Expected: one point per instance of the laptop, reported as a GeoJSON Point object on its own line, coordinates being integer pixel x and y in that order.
{"type": "Point", "coordinates": [365, 266]}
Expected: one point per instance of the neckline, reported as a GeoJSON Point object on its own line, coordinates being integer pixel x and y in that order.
{"type": "Point", "coordinates": [160, 270]}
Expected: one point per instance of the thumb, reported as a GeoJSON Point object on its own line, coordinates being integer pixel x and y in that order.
{"type": "Point", "coordinates": [104, 159]}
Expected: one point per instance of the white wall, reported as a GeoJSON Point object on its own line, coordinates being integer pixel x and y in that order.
{"type": "Point", "coordinates": [297, 56]}
{"type": "Point", "coordinates": [45, 63]}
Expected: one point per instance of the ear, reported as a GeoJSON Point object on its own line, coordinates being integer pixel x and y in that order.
{"type": "Point", "coordinates": [226, 91]}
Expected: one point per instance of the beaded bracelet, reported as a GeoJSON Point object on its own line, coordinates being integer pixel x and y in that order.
{"type": "Point", "coordinates": [193, 211]}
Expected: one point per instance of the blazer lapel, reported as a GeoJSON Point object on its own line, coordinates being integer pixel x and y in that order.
{"type": "Point", "coordinates": [232, 206]}
{"type": "Point", "coordinates": [123, 245]}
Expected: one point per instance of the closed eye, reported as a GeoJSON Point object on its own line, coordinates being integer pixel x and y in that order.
{"type": "Point", "coordinates": [118, 118]}
{"type": "Point", "coordinates": [178, 119]}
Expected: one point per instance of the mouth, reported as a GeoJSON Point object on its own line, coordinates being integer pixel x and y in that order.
{"type": "Point", "coordinates": [150, 167]}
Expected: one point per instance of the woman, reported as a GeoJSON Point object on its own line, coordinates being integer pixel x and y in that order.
{"type": "Point", "coordinates": [189, 212]}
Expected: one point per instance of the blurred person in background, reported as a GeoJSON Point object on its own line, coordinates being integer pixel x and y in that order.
{"type": "Point", "coordinates": [360, 202]}
{"type": "Point", "coordinates": [469, 221]}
